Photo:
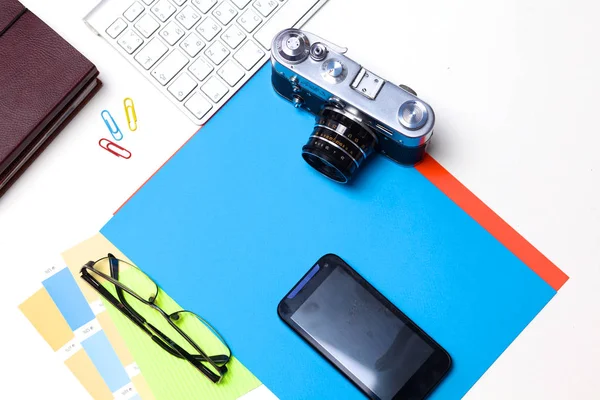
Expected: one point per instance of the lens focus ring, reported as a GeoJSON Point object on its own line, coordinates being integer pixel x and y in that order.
{"type": "Point", "coordinates": [338, 145]}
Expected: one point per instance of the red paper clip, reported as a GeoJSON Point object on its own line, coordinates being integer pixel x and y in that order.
{"type": "Point", "coordinates": [109, 146]}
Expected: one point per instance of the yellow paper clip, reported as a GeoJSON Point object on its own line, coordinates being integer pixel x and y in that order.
{"type": "Point", "coordinates": [130, 114]}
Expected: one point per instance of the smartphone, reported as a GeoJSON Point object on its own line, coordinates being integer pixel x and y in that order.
{"type": "Point", "coordinates": [362, 333]}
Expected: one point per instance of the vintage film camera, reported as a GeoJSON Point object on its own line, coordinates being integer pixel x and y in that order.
{"type": "Point", "coordinates": [357, 112]}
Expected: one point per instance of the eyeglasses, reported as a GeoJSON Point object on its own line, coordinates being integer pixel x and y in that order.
{"type": "Point", "coordinates": [132, 292]}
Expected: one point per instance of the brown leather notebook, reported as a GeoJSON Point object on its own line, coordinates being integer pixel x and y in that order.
{"type": "Point", "coordinates": [44, 82]}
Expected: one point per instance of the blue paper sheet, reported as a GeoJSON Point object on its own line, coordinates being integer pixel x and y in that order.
{"type": "Point", "coordinates": [233, 221]}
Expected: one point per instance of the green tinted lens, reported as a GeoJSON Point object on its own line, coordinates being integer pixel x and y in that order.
{"type": "Point", "coordinates": [131, 278]}
{"type": "Point", "coordinates": [203, 335]}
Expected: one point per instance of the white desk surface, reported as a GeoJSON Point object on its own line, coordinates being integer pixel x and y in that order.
{"type": "Point", "coordinates": [515, 88]}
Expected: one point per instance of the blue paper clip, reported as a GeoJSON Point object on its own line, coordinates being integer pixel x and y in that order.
{"type": "Point", "coordinates": [112, 126]}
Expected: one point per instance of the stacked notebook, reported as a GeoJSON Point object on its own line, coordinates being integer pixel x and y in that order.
{"type": "Point", "coordinates": [44, 82]}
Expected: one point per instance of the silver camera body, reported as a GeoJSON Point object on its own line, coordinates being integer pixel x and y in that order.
{"type": "Point", "coordinates": [357, 111]}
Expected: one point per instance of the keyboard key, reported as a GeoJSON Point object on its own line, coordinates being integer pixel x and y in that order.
{"type": "Point", "coordinates": [214, 89]}
{"type": "Point", "coordinates": [188, 17]}
{"type": "Point", "coordinates": [233, 36]}
{"type": "Point", "coordinates": [225, 13]}
{"type": "Point", "coordinates": [241, 3]}
{"type": "Point", "coordinates": [201, 68]}
{"type": "Point", "coordinates": [204, 5]}
{"type": "Point", "coordinates": [265, 7]}
{"type": "Point", "coordinates": [147, 25]}
{"type": "Point", "coordinates": [116, 28]}
{"type": "Point", "coordinates": [169, 67]}
{"type": "Point", "coordinates": [182, 86]}
{"type": "Point", "coordinates": [209, 29]}
{"type": "Point", "coordinates": [150, 54]}
{"type": "Point", "coordinates": [289, 14]}
{"type": "Point", "coordinates": [198, 105]}
{"type": "Point", "coordinates": [217, 52]}
{"type": "Point", "coordinates": [172, 33]}
{"type": "Point", "coordinates": [163, 10]}
{"type": "Point", "coordinates": [130, 41]}
{"type": "Point", "coordinates": [249, 21]}
{"type": "Point", "coordinates": [192, 45]}
{"type": "Point", "coordinates": [249, 54]}
{"type": "Point", "coordinates": [179, 2]}
{"type": "Point", "coordinates": [231, 73]}
{"type": "Point", "coordinates": [134, 11]}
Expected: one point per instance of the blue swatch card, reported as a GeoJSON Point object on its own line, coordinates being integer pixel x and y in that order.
{"type": "Point", "coordinates": [68, 298]}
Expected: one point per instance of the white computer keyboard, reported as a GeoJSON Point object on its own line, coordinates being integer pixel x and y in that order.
{"type": "Point", "coordinates": [197, 52]}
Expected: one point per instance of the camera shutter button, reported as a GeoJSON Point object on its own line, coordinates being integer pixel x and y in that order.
{"type": "Point", "coordinates": [318, 51]}
{"type": "Point", "coordinates": [413, 114]}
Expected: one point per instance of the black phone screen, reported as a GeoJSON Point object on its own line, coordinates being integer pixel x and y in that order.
{"type": "Point", "coordinates": [367, 338]}
{"type": "Point", "coordinates": [364, 333]}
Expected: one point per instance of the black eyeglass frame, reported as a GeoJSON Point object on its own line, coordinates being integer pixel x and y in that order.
{"type": "Point", "coordinates": [218, 362]}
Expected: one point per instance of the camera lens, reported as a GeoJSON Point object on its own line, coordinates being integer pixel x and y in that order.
{"type": "Point", "coordinates": [338, 145]}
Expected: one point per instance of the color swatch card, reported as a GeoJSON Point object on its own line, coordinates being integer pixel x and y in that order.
{"type": "Point", "coordinates": [69, 300]}
{"type": "Point", "coordinates": [236, 218]}
{"type": "Point", "coordinates": [43, 314]}
{"type": "Point", "coordinates": [115, 338]}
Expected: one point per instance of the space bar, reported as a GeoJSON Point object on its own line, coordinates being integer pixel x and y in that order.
{"type": "Point", "coordinates": [286, 17]}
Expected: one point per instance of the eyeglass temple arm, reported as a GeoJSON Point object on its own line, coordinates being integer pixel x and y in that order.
{"type": "Point", "coordinates": [134, 317]}
{"type": "Point", "coordinates": [114, 273]}
{"type": "Point", "coordinates": [164, 340]}
{"type": "Point", "coordinates": [85, 275]}
{"type": "Point", "coordinates": [195, 360]}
